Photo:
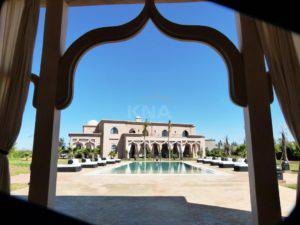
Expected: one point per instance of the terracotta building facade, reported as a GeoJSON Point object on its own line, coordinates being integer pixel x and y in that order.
{"type": "Point", "coordinates": [130, 139]}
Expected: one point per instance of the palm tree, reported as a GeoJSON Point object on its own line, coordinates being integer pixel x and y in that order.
{"type": "Point", "coordinates": [285, 162]}
{"type": "Point", "coordinates": [169, 131]}
{"type": "Point", "coordinates": [145, 133]}
{"type": "Point", "coordinates": [227, 146]}
{"type": "Point", "coordinates": [220, 144]}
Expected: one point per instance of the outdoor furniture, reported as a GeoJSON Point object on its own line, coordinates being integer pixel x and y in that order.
{"type": "Point", "coordinates": [207, 160]}
{"type": "Point", "coordinates": [109, 161]}
{"type": "Point", "coordinates": [199, 160]}
{"type": "Point", "coordinates": [100, 162]}
{"type": "Point", "coordinates": [117, 160]}
{"type": "Point", "coordinates": [229, 163]}
{"type": "Point", "coordinates": [87, 163]}
{"type": "Point", "coordinates": [216, 161]}
{"type": "Point", "coordinates": [73, 166]}
{"type": "Point", "coordinates": [279, 173]}
{"type": "Point", "coordinates": [240, 167]}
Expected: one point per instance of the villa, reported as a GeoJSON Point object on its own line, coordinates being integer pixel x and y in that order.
{"type": "Point", "coordinates": [127, 138]}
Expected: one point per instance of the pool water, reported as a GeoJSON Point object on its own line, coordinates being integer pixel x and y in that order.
{"type": "Point", "coordinates": [158, 168]}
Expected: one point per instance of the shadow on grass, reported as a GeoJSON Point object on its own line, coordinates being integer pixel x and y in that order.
{"type": "Point", "coordinates": [127, 210]}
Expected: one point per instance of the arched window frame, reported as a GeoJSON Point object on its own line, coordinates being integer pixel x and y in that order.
{"type": "Point", "coordinates": [132, 131]}
{"type": "Point", "coordinates": [185, 133]}
{"type": "Point", "coordinates": [164, 133]}
{"type": "Point", "coordinates": [114, 130]}
{"type": "Point", "coordinates": [114, 147]}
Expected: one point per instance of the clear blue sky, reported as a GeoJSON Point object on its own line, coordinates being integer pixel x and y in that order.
{"type": "Point", "coordinates": [150, 75]}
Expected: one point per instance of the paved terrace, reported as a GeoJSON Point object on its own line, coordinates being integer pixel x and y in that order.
{"type": "Point", "coordinates": [204, 199]}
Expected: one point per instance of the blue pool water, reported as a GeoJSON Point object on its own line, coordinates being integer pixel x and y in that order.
{"type": "Point", "coordinates": [158, 168]}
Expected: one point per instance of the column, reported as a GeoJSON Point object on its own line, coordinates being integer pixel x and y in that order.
{"type": "Point", "coordinates": [258, 125]}
{"type": "Point", "coordinates": [194, 150]}
{"type": "Point", "coordinates": [44, 159]}
{"type": "Point", "coordinates": [128, 147]}
{"type": "Point", "coordinates": [137, 155]}
{"type": "Point", "coordinates": [203, 152]}
{"type": "Point", "coordinates": [181, 147]}
{"type": "Point", "coordinates": [159, 150]}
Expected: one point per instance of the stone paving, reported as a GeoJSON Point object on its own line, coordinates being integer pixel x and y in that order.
{"type": "Point", "coordinates": [206, 199]}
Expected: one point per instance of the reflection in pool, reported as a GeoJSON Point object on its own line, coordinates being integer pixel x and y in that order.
{"type": "Point", "coordinates": [158, 168]}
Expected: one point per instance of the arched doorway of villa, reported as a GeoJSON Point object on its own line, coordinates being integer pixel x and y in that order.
{"type": "Point", "coordinates": [165, 151]}
{"type": "Point", "coordinates": [187, 153]}
{"type": "Point", "coordinates": [90, 145]}
{"type": "Point", "coordinates": [132, 151]}
{"type": "Point", "coordinates": [79, 145]}
{"type": "Point", "coordinates": [175, 151]}
{"type": "Point", "coordinates": [142, 152]}
{"type": "Point", "coordinates": [155, 150]}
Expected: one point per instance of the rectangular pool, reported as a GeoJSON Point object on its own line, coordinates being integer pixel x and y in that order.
{"type": "Point", "coordinates": [158, 168]}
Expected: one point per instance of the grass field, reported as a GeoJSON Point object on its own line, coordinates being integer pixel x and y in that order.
{"type": "Point", "coordinates": [292, 186]}
{"type": "Point", "coordinates": [22, 165]}
{"type": "Point", "coordinates": [17, 186]}
{"type": "Point", "coordinates": [19, 166]}
{"type": "Point", "coordinates": [294, 165]}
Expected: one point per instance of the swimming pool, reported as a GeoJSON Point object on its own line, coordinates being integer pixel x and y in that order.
{"type": "Point", "coordinates": [158, 168]}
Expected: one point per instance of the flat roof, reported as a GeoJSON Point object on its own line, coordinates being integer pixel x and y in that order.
{"type": "Point", "coordinates": [150, 123]}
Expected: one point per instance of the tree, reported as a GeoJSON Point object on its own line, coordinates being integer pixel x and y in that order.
{"type": "Point", "coordinates": [285, 162]}
{"type": "Point", "coordinates": [169, 131]}
{"type": "Point", "coordinates": [227, 149]}
{"type": "Point", "coordinates": [61, 146]}
{"type": "Point", "coordinates": [98, 151]}
{"type": "Point", "coordinates": [220, 144]}
{"type": "Point", "coordinates": [241, 150]}
{"type": "Point", "coordinates": [145, 133]}
{"type": "Point", "coordinates": [112, 154]}
{"type": "Point", "coordinates": [61, 143]}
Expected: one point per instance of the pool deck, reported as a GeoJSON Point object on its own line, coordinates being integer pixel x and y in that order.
{"type": "Point", "coordinates": [159, 199]}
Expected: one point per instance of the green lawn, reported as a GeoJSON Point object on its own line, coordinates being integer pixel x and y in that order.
{"type": "Point", "coordinates": [62, 161]}
{"type": "Point", "coordinates": [294, 165]}
{"type": "Point", "coordinates": [16, 186]}
{"type": "Point", "coordinates": [292, 186]}
{"type": "Point", "coordinates": [22, 165]}
{"type": "Point", "coordinates": [19, 166]}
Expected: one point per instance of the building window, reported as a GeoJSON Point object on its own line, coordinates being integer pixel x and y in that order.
{"type": "Point", "coordinates": [164, 133]}
{"type": "Point", "coordinates": [185, 134]}
{"type": "Point", "coordinates": [132, 131]}
{"type": "Point", "coordinates": [114, 147]}
{"type": "Point", "coordinates": [78, 145]}
{"type": "Point", "coordinates": [89, 145]}
{"type": "Point", "coordinates": [114, 130]}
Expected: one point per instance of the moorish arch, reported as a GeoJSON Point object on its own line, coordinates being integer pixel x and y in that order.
{"type": "Point", "coordinates": [155, 150]}
{"type": "Point", "coordinates": [246, 63]}
{"type": "Point", "coordinates": [176, 150]}
{"type": "Point", "coordinates": [187, 151]}
{"type": "Point", "coordinates": [185, 133]}
{"type": "Point", "coordinates": [90, 145]}
{"type": "Point", "coordinates": [165, 150]}
{"type": "Point", "coordinates": [145, 146]}
{"type": "Point", "coordinates": [133, 151]}
{"type": "Point", "coordinates": [132, 131]}
{"type": "Point", "coordinates": [79, 145]}
{"type": "Point", "coordinates": [202, 34]}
